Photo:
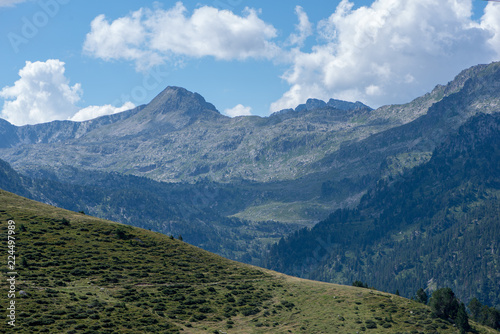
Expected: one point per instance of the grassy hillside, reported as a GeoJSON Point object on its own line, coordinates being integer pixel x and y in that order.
{"type": "Point", "coordinates": [80, 274]}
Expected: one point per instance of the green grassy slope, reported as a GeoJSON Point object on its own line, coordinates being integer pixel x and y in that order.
{"type": "Point", "coordinates": [86, 275]}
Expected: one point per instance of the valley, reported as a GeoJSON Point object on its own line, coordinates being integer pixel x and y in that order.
{"type": "Point", "coordinates": [332, 191]}
{"type": "Point", "coordinates": [83, 274]}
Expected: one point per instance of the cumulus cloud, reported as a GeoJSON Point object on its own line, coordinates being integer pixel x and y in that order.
{"type": "Point", "coordinates": [92, 112]}
{"type": "Point", "coordinates": [238, 110]}
{"type": "Point", "coordinates": [43, 94]}
{"type": "Point", "coordinates": [10, 3]}
{"type": "Point", "coordinates": [121, 39]}
{"type": "Point", "coordinates": [149, 37]}
{"type": "Point", "coordinates": [390, 52]}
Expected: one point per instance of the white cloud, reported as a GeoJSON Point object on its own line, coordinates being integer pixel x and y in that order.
{"type": "Point", "coordinates": [92, 112]}
{"type": "Point", "coordinates": [491, 22]}
{"type": "Point", "coordinates": [304, 28]}
{"type": "Point", "coordinates": [124, 38]}
{"type": "Point", "coordinates": [43, 94]}
{"type": "Point", "coordinates": [10, 3]}
{"type": "Point", "coordinates": [238, 110]}
{"type": "Point", "coordinates": [152, 36]}
{"type": "Point", "coordinates": [390, 52]}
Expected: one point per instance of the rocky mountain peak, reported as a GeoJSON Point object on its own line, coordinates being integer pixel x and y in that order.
{"type": "Point", "coordinates": [178, 99]}
{"type": "Point", "coordinates": [347, 106]}
{"type": "Point", "coordinates": [312, 104]}
{"type": "Point", "coordinates": [173, 109]}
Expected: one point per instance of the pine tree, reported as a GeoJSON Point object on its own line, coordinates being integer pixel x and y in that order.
{"type": "Point", "coordinates": [475, 309]}
{"type": "Point", "coordinates": [462, 320]}
{"type": "Point", "coordinates": [421, 296]}
{"type": "Point", "coordinates": [444, 304]}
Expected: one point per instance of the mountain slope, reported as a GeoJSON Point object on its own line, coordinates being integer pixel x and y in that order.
{"type": "Point", "coordinates": [57, 131]}
{"type": "Point", "coordinates": [11, 181]}
{"type": "Point", "coordinates": [477, 94]}
{"type": "Point", "coordinates": [437, 225]}
{"type": "Point", "coordinates": [82, 274]}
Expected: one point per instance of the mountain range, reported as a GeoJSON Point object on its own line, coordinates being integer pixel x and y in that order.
{"type": "Point", "coordinates": [237, 185]}
{"type": "Point", "coordinates": [178, 136]}
{"type": "Point", "coordinates": [318, 147]}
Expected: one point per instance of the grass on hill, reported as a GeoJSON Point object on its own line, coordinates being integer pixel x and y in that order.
{"type": "Point", "coordinates": [80, 274]}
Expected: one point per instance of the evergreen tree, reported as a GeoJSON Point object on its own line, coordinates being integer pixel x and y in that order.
{"type": "Point", "coordinates": [444, 304]}
{"type": "Point", "coordinates": [484, 314]}
{"type": "Point", "coordinates": [462, 320]}
{"type": "Point", "coordinates": [421, 296]}
{"type": "Point", "coordinates": [475, 309]}
{"type": "Point", "coordinates": [490, 317]}
{"type": "Point", "coordinates": [359, 284]}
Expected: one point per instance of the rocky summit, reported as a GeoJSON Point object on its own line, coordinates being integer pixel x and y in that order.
{"type": "Point", "coordinates": [179, 136]}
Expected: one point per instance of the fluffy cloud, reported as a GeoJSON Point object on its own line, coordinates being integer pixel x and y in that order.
{"type": "Point", "coordinates": [238, 110]}
{"type": "Point", "coordinates": [153, 36]}
{"type": "Point", "coordinates": [43, 94]}
{"type": "Point", "coordinates": [10, 3]}
{"type": "Point", "coordinates": [391, 51]}
{"type": "Point", "coordinates": [92, 112]}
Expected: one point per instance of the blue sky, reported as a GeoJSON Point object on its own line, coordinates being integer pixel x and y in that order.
{"type": "Point", "coordinates": [68, 59]}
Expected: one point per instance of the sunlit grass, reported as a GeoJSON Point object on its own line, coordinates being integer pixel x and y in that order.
{"type": "Point", "coordinates": [87, 275]}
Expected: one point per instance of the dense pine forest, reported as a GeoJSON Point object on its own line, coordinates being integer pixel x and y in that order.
{"type": "Point", "coordinates": [436, 226]}
{"type": "Point", "coordinates": [199, 212]}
